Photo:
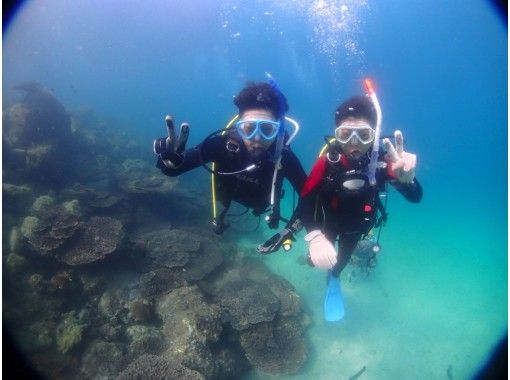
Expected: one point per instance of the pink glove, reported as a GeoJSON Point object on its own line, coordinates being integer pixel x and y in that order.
{"type": "Point", "coordinates": [322, 252]}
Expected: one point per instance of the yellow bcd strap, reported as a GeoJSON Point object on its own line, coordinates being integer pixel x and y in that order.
{"type": "Point", "coordinates": [321, 153]}
{"type": "Point", "coordinates": [213, 178]}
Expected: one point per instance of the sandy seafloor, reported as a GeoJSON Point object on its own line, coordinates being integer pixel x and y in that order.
{"type": "Point", "coordinates": [432, 305]}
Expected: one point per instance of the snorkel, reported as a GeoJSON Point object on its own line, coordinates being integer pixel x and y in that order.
{"type": "Point", "coordinates": [273, 218]}
{"type": "Point", "coordinates": [372, 166]}
{"type": "Point", "coordinates": [374, 156]}
{"type": "Point", "coordinates": [281, 117]}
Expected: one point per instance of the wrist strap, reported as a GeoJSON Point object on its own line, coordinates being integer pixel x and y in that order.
{"type": "Point", "coordinates": [169, 164]}
{"type": "Point", "coordinates": [312, 235]}
{"type": "Point", "coordinates": [296, 226]}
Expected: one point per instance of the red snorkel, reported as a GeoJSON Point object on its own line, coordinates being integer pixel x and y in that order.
{"type": "Point", "coordinates": [372, 166]}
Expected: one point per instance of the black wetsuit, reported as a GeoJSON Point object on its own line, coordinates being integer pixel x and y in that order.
{"type": "Point", "coordinates": [327, 205]}
{"type": "Point", "coordinates": [252, 188]}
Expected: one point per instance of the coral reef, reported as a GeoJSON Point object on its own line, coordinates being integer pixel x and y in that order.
{"type": "Point", "coordinates": [54, 226]}
{"type": "Point", "coordinates": [102, 360]}
{"type": "Point", "coordinates": [193, 253]}
{"type": "Point", "coordinates": [96, 194]}
{"type": "Point", "coordinates": [110, 303]}
{"type": "Point", "coordinates": [37, 336]}
{"type": "Point", "coordinates": [169, 248]}
{"type": "Point", "coordinates": [50, 225]}
{"type": "Point", "coordinates": [277, 348]}
{"type": "Point", "coordinates": [267, 314]}
{"type": "Point", "coordinates": [14, 197]}
{"type": "Point", "coordinates": [15, 190]}
{"type": "Point", "coordinates": [191, 325]}
{"type": "Point", "coordinates": [62, 280]}
{"type": "Point", "coordinates": [208, 258]}
{"type": "Point", "coordinates": [141, 310]}
{"type": "Point", "coordinates": [91, 284]}
{"type": "Point", "coordinates": [15, 264]}
{"type": "Point", "coordinates": [145, 340]}
{"type": "Point", "coordinates": [37, 138]}
{"type": "Point", "coordinates": [97, 238]}
{"type": "Point", "coordinates": [159, 281]}
{"type": "Point", "coordinates": [70, 330]}
{"type": "Point", "coordinates": [158, 368]}
{"type": "Point", "coordinates": [106, 279]}
{"type": "Point", "coordinates": [138, 177]}
{"type": "Point", "coordinates": [248, 303]}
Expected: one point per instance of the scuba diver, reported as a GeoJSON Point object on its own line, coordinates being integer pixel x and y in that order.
{"type": "Point", "coordinates": [340, 198]}
{"type": "Point", "coordinates": [250, 157]}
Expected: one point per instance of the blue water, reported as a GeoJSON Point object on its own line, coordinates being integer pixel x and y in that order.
{"type": "Point", "coordinates": [439, 295]}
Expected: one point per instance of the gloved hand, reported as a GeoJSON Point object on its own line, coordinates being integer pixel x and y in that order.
{"type": "Point", "coordinates": [171, 148]}
{"type": "Point", "coordinates": [276, 241]}
{"type": "Point", "coordinates": [279, 239]}
{"type": "Point", "coordinates": [403, 164]}
{"type": "Point", "coordinates": [321, 251]}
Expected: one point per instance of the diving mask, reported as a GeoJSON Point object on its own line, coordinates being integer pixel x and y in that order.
{"type": "Point", "coordinates": [363, 132]}
{"type": "Point", "coordinates": [268, 129]}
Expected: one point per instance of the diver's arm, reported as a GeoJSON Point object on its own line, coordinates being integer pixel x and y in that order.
{"type": "Point", "coordinates": [171, 148]}
{"type": "Point", "coordinates": [304, 210]}
{"type": "Point", "coordinates": [412, 191]}
{"type": "Point", "coordinates": [308, 201]}
{"type": "Point", "coordinates": [294, 225]}
{"type": "Point", "coordinates": [293, 170]}
{"type": "Point", "coordinates": [401, 168]}
{"type": "Point", "coordinates": [210, 149]}
{"type": "Point", "coordinates": [191, 161]}
{"type": "Point", "coordinates": [310, 187]}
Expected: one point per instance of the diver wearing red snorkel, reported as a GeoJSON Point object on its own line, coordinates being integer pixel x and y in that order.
{"type": "Point", "coordinates": [340, 198]}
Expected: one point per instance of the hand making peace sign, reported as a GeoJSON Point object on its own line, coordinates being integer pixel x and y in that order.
{"type": "Point", "coordinates": [403, 163]}
{"type": "Point", "coordinates": [171, 148]}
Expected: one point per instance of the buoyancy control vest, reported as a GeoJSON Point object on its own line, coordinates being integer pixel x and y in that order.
{"type": "Point", "coordinates": [351, 204]}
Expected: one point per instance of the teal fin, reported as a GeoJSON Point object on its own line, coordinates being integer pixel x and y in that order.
{"type": "Point", "coordinates": [334, 302]}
